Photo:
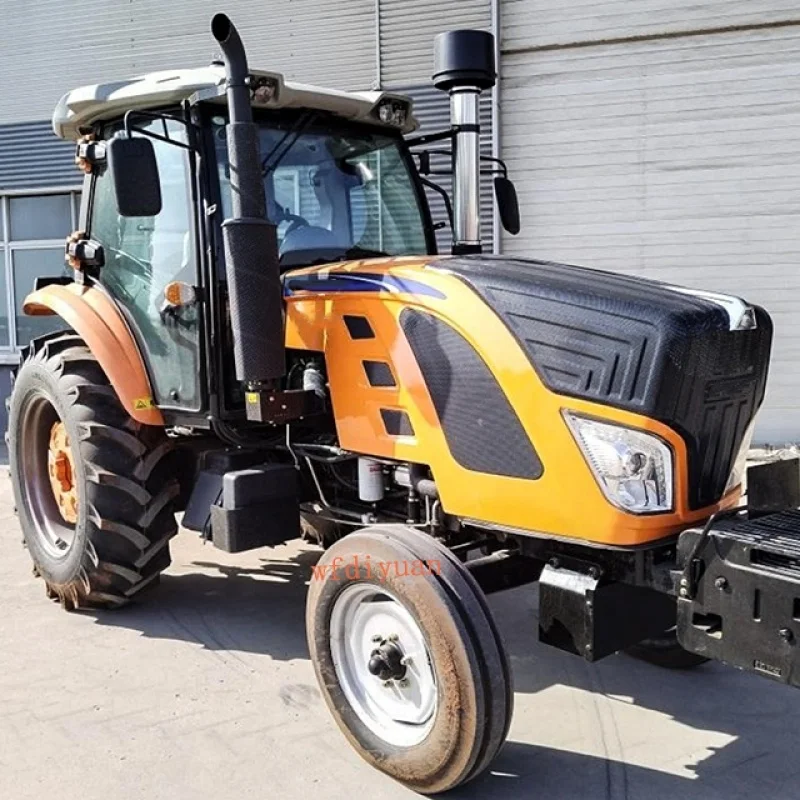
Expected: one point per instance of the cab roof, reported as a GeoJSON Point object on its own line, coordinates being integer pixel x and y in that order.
{"type": "Point", "coordinates": [86, 105]}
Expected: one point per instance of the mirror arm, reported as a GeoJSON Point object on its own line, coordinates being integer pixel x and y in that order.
{"type": "Point", "coordinates": [164, 118]}
{"type": "Point", "coordinates": [499, 161]}
{"type": "Point", "coordinates": [447, 204]}
{"type": "Point", "coordinates": [427, 138]}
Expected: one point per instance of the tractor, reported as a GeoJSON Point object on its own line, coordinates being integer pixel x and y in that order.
{"type": "Point", "coordinates": [259, 334]}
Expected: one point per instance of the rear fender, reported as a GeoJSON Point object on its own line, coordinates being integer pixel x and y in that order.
{"type": "Point", "coordinates": [97, 320]}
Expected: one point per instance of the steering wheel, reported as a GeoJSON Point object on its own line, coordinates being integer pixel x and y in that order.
{"type": "Point", "coordinates": [295, 221]}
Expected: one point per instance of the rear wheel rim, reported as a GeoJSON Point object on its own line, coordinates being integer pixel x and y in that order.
{"type": "Point", "coordinates": [369, 623]}
{"type": "Point", "coordinates": [40, 429]}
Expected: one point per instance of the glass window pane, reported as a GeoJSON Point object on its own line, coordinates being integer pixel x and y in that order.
{"type": "Point", "coordinates": [4, 340]}
{"type": "Point", "coordinates": [29, 265]}
{"type": "Point", "coordinates": [76, 202]}
{"type": "Point", "coordinates": [39, 217]}
{"type": "Point", "coordinates": [142, 256]}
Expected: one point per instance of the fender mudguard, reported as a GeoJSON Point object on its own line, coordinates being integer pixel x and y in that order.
{"type": "Point", "coordinates": [97, 320]}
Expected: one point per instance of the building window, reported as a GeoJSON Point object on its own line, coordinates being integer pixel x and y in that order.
{"type": "Point", "coordinates": [33, 228]}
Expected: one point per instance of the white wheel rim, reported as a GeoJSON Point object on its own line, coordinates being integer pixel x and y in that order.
{"type": "Point", "coordinates": [365, 618]}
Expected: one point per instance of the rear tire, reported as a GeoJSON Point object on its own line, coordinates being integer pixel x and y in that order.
{"type": "Point", "coordinates": [665, 651]}
{"type": "Point", "coordinates": [442, 722]}
{"type": "Point", "coordinates": [121, 471]}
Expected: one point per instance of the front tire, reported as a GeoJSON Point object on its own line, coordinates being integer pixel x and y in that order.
{"type": "Point", "coordinates": [411, 666]}
{"type": "Point", "coordinates": [97, 516]}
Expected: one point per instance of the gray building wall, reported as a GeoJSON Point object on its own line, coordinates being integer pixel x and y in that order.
{"type": "Point", "coordinates": [55, 45]}
{"type": "Point", "coordinates": [658, 139]}
{"type": "Point", "coordinates": [665, 143]}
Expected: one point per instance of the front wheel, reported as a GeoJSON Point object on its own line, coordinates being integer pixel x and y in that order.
{"type": "Point", "coordinates": [408, 657]}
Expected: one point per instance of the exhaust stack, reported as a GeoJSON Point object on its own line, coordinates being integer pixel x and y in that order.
{"type": "Point", "coordinates": [249, 239]}
{"type": "Point", "coordinates": [464, 66]}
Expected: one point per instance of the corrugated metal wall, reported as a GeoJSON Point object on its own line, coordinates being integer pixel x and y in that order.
{"type": "Point", "coordinates": [49, 46]}
{"type": "Point", "coordinates": [676, 157]}
{"type": "Point", "coordinates": [547, 23]}
{"type": "Point", "coordinates": [32, 157]}
{"type": "Point", "coordinates": [407, 30]}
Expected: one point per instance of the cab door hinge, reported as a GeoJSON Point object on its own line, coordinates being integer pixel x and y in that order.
{"type": "Point", "coordinates": [89, 153]}
{"type": "Point", "coordinates": [82, 253]}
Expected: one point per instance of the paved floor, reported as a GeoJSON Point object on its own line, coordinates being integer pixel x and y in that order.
{"type": "Point", "coordinates": [206, 691]}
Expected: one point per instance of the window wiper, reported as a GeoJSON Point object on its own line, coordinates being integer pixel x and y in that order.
{"type": "Point", "coordinates": [271, 160]}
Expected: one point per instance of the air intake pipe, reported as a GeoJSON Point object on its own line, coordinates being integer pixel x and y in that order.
{"type": "Point", "coordinates": [464, 66]}
{"type": "Point", "coordinates": [249, 239]}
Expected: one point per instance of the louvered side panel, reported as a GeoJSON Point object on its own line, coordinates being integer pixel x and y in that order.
{"type": "Point", "coordinates": [31, 157]}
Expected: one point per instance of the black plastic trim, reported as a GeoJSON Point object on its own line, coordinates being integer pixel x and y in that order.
{"type": "Point", "coordinates": [482, 429]}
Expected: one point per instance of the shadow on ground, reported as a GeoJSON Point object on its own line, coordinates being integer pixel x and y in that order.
{"type": "Point", "coordinates": [260, 609]}
{"type": "Point", "coordinates": [254, 609]}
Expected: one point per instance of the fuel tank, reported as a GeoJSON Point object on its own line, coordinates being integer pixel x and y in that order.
{"type": "Point", "coordinates": [485, 354]}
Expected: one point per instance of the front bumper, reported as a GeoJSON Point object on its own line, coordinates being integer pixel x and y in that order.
{"type": "Point", "coordinates": [739, 597]}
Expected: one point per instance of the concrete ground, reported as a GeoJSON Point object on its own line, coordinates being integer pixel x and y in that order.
{"type": "Point", "coordinates": [206, 691]}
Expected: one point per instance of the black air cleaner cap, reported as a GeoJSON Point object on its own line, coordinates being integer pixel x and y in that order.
{"type": "Point", "coordinates": [464, 58]}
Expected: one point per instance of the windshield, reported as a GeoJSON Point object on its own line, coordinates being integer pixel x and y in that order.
{"type": "Point", "coordinates": [334, 194]}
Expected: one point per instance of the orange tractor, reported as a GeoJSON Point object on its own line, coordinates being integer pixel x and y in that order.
{"type": "Point", "coordinates": [259, 333]}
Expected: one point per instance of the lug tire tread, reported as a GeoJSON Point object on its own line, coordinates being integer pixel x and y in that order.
{"type": "Point", "coordinates": [130, 486]}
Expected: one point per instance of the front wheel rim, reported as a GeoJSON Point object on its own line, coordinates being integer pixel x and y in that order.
{"type": "Point", "coordinates": [383, 664]}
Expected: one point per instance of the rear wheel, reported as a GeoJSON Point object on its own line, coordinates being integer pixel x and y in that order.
{"type": "Point", "coordinates": [92, 487]}
{"type": "Point", "coordinates": [408, 657]}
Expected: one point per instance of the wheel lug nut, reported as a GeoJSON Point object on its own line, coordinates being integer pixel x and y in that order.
{"type": "Point", "coordinates": [392, 637]}
{"type": "Point", "coordinates": [403, 683]}
{"type": "Point", "coordinates": [387, 684]}
{"type": "Point", "coordinates": [406, 660]}
{"type": "Point", "coordinates": [377, 638]}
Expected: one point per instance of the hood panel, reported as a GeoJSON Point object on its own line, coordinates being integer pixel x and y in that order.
{"type": "Point", "coordinates": [638, 345]}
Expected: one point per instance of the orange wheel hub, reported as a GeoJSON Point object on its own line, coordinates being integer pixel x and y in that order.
{"type": "Point", "coordinates": [61, 469]}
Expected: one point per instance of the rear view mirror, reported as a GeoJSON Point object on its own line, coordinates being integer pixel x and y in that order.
{"type": "Point", "coordinates": [507, 204]}
{"type": "Point", "coordinates": [133, 170]}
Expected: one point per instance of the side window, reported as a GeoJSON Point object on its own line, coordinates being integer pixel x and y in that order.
{"type": "Point", "coordinates": [143, 255]}
{"type": "Point", "coordinates": [385, 213]}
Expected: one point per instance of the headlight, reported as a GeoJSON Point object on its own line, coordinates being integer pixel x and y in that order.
{"type": "Point", "coordinates": [633, 468]}
{"type": "Point", "coordinates": [392, 112]}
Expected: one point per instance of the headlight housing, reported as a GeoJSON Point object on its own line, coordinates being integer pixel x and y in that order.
{"type": "Point", "coordinates": [392, 112]}
{"type": "Point", "coordinates": [633, 468]}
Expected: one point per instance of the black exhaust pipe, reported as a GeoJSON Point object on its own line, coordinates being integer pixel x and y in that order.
{"type": "Point", "coordinates": [250, 240]}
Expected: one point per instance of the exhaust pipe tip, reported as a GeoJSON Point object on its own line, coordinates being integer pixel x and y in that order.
{"type": "Point", "coordinates": [221, 27]}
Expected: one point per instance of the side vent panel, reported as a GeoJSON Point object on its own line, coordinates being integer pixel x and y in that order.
{"type": "Point", "coordinates": [358, 327]}
{"type": "Point", "coordinates": [397, 423]}
{"type": "Point", "coordinates": [482, 429]}
{"type": "Point", "coordinates": [379, 374]}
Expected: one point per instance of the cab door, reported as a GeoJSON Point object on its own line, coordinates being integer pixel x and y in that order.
{"type": "Point", "coordinates": [142, 256]}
